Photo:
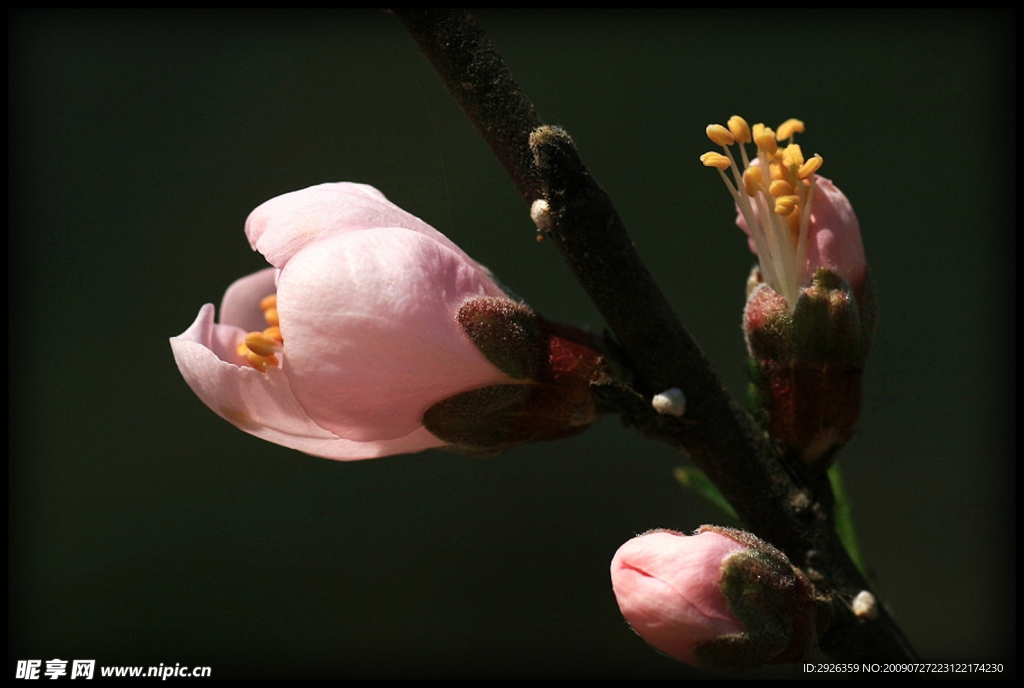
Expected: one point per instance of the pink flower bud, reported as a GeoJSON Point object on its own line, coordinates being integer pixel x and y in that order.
{"type": "Point", "coordinates": [720, 599]}
{"type": "Point", "coordinates": [667, 587]}
{"type": "Point", "coordinates": [362, 337]}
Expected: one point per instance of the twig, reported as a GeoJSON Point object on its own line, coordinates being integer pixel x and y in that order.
{"type": "Point", "coordinates": [779, 502]}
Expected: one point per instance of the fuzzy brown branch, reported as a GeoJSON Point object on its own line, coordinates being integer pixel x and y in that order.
{"type": "Point", "coordinates": [779, 502]}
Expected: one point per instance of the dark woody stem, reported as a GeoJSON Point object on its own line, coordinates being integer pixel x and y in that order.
{"type": "Point", "coordinates": [777, 500]}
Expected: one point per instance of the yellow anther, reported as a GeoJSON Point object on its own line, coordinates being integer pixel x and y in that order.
{"type": "Point", "coordinates": [260, 344]}
{"type": "Point", "coordinates": [753, 180]}
{"type": "Point", "coordinates": [712, 159]}
{"type": "Point", "coordinates": [261, 363]}
{"type": "Point", "coordinates": [790, 127]}
{"type": "Point", "coordinates": [739, 129]}
{"type": "Point", "coordinates": [792, 156]}
{"type": "Point", "coordinates": [780, 187]}
{"type": "Point", "coordinates": [810, 167]}
{"type": "Point", "coordinates": [258, 348]}
{"type": "Point", "coordinates": [765, 140]}
{"type": "Point", "coordinates": [720, 135]}
{"type": "Point", "coordinates": [784, 205]}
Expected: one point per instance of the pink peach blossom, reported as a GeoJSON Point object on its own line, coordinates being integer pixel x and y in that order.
{"type": "Point", "coordinates": [833, 236]}
{"type": "Point", "coordinates": [366, 302]}
{"type": "Point", "coordinates": [811, 308]}
{"type": "Point", "coordinates": [667, 585]}
{"type": "Point", "coordinates": [797, 221]}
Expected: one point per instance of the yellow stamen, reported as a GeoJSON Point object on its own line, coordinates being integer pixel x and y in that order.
{"type": "Point", "coordinates": [258, 348]}
{"type": "Point", "coordinates": [260, 344]}
{"type": "Point", "coordinates": [810, 167]}
{"type": "Point", "coordinates": [779, 190]}
{"type": "Point", "coordinates": [720, 135]}
{"type": "Point", "coordinates": [785, 205]}
{"type": "Point", "coordinates": [261, 363]}
{"type": "Point", "coordinates": [790, 127]}
{"type": "Point", "coordinates": [712, 159]}
{"type": "Point", "coordinates": [268, 302]}
{"type": "Point", "coordinates": [792, 156]}
{"type": "Point", "coordinates": [765, 140]}
{"type": "Point", "coordinates": [794, 225]}
{"type": "Point", "coordinates": [753, 180]}
{"type": "Point", "coordinates": [740, 129]}
{"type": "Point", "coordinates": [780, 187]}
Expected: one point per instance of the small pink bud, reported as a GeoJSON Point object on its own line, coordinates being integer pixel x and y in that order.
{"type": "Point", "coordinates": [341, 348]}
{"type": "Point", "coordinates": [666, 584]}
{"type": "Point", "coordinates": [719, 599]}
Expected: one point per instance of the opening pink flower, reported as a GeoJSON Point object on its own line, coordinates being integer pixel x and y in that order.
{"type": "Point", "coordinates": [811, 309]}
{"type": "Point", "coordinates": [362, 337]}
{"type": "Point", "coordinates": [797, 221]}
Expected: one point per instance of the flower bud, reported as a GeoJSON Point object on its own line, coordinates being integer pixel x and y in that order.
{"type": "Point", "coordinates": [810, 309]}
{"type": "Point", "coordinates": [720, 599]}
{"type": "Point", "coordinates": [374, 334]}
{"type": "Point", "coordinates": [805, 365]}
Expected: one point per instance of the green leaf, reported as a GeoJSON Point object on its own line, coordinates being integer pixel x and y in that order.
{"type": "Point", "coordinates": [844, 519]}
{"type": "Point", "coordinates": [694, 479]}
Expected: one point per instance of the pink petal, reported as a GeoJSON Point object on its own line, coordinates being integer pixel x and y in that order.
{"type": "Point", "coordinates": [284, 225]}
{"type": "Point", "coordinates": [834, 235]}
{"type": "Point", "coordinates": [240, 305]}
{"type": "Point", "coordinates": [371, 340]}
{"type": "Point", "coordinates": [262, 404]}
{"type": "Point", "coordinates": [836, 239]}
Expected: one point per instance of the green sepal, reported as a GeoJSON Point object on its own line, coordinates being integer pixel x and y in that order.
{"type": "Point", "coordinates": [557, 364]}
{"type": "Point", "coordinates": [757, 393]}
{"type": "Point", "coordinates": [827, 323]}
{"type": "Point", "coordinates": [492, 419]}
{"type": "Point", "coordinates": [483, 420]}
{"type": "Point", "coordinates": [509, 334]}
{"type": "Point", "coordinates": [805, 365]}
{"type": "Point", "coordinates": [772, 599]}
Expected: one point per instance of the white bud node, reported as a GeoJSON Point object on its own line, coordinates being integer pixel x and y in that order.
{"type": "Point", "coordinates": [864, 605]}
{"type": "Point", "coordinates": [671, 402]}
{"type": "Point", "coordinates": [540, 213]}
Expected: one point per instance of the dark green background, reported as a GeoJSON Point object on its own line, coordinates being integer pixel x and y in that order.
{"type": "Point", "coordinates": [144, 529]}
